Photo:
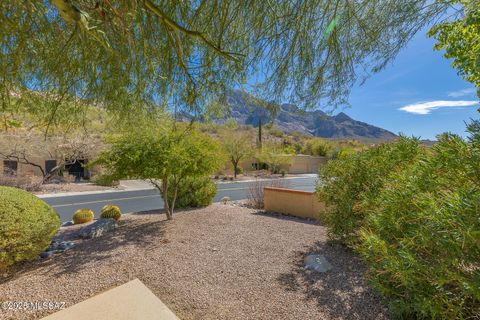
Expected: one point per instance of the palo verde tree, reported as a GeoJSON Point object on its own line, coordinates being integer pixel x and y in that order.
{"type": "Point", "coordinates": [237, 146]}
{"type": "Point", "coordinates": [121, 55]}
{"type": "Point", "coordinates": [163, 156]}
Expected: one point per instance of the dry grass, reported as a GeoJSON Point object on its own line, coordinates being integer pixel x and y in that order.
{"type": "Point", "coordinates": [221, 262]}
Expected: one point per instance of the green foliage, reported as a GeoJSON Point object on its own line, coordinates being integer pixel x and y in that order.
{"type": "Point", "coordinates": [83, 215]}
{"type": "Point", "coordinates": [104, 180]}
{"type": "Point", "coordinates": [27, 225]}
{"type": "Point", "coordinates": [132, 54]}
{"type": "Point", "coordinates": [274, 157]}
{"type": "Point", "coordinates": [110, 211]}
{"type": "Point", "coordinates": [195, 192]}
{"type": "Point", "coordinates": [237, 146]}
{"type": "Point", "coordinates": [164, 156]}
{"type": "Point", "coordinates": [460, 40]}
{"type": "Point", "coordinates": [349, 184]}
{"type": "Point", "coordinates": [414, 216]}
{"type": "Point", "coordinates": [317, 147]}
{"type": "Point", "coordinates": [422, 236]}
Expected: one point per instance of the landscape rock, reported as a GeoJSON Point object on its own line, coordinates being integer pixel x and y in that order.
{"type": "Point", "coordinates": [97, 229]}
{"type": "Point", "coordinates": [67, 224]}
{"type": "Point", "coordinates": [317, 263]}
{"type": "Point", "coordinates": [57, 247]}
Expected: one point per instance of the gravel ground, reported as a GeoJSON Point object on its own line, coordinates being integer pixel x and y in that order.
{"type": "Point", "coordinates": [221, 262]}
{"type": "Point", "coordinates": [72, 187]}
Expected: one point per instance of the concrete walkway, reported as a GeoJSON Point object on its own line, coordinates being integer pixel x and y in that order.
{"type": "Point", "coordinates": [130, 301]}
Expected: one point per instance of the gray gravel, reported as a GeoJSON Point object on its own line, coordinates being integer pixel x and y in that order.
{"type": "Point", "coordinates": [221, 262]}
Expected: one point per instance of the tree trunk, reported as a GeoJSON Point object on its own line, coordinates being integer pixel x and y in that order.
{"type": "Point", "coordinates": [168, 210]}
{"type": "Point", "coordinates": [259, 142]}
{"type": "Point", "coordinates": [235, 167]}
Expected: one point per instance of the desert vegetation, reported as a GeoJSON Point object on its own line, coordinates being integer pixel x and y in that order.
{"type": "Point", "coordinates": [412, 214]}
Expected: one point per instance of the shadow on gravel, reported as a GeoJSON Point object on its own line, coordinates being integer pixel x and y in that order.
{"type": "Point", "coordinates": [340, 293]}
{"type": "Point", "coordinates": [284, 217]}
{"type": "Point", "coordinates": [129, 232]}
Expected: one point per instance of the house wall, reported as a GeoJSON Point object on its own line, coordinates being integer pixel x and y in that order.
{"type": "Point", "coordinates": [300, 164]}
{"type": "Point", "coordinates": [306, 164]}
{"type": "Point", "coordinates": [297, 203]}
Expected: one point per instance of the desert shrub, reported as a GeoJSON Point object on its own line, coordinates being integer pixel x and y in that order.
{"type": "Point", "coordinates": [82, 216]}
{"type": "Point", "coordinates": [194, 192]}
{"type": "Point", "coordinates": [255, 191]}
{"type": "Point", "coordinates": [27, 183]}
{"type": "Point", "coordinates": [349, 183]}
{"type": "Point", "coordinates": [110, 211]}
{"type": "Point", "coordinates": [421, 239]}
{"type": "Point", "coordinates": [239, 170]}
{"type": "Point", "coordinates": [105, 180]}
{"type": "Point", "coordinates": [27, 225]}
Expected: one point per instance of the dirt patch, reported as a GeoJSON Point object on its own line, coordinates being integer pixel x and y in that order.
{"type": "Point", "coordinates": [221, 262]}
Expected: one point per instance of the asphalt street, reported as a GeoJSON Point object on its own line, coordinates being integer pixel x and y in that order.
{"type": "Point", "coordinates": [144, 200]}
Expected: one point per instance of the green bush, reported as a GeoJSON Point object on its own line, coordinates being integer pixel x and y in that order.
{"type": "Point", "coordinates": [27, 225]}
{"type": "Point", "coordinates": [195, 192]}
{"type": "Point", "coordinates": [83, 216]}
{"type": "Point", "coordinates": [110, 211]}
{"type": "Point", "coordinates": [105, 180]}
{"type": "Point", "coordinates": [421, 239]}
{"type": "Point", "coordinates": [349, 183]}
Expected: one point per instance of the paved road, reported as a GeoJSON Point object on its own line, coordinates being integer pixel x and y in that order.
{"type": "Point", "coordinates": [142, 200]}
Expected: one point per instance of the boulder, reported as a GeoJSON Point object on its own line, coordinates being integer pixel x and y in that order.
{"type": "Point", "coordinates": [317, 263]}
{"type": "Point", "coordinates": [97, 229]}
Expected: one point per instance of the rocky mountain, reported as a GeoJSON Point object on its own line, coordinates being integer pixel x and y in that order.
{"type": "Point", "coordinates": [290, 118]}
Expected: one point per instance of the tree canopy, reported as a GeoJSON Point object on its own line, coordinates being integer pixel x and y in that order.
{"type": "Point", "coordinates": [461, 40]}
{"type": "Point", "coordinates": [129, 54]}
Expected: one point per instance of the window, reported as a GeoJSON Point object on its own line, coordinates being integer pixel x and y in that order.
{"type": "Point", "coordinates": [50, 165]}
{"type": "Point", "coordinates": [10, 167]}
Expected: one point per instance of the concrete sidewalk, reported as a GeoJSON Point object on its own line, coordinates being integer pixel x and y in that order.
{"type": "Point", "coordinates": [130, 301]}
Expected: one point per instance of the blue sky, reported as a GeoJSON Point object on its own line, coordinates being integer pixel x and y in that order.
{"type": "Point", "coordinates": [422, 82]}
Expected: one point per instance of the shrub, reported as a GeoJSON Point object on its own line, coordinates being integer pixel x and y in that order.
{"type": "Point", "coordinates": [110, 211]}
{"type": "Point", "coordinates": [194, 192]}
{"type": "Point", "coordinates": [421, 239]}
{"type": "Point", "coordinates": [27, 225]}
{"type": "Point", "coordinates": [105, 180]}
{"type": "Point", "coordinates": [349, 183]}
{"type": "Point", "coordinates": [255, 191]}
{"type": "Point", "coordinates": [82, 216]}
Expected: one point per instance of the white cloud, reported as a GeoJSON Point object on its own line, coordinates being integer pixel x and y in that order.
{"type": "Point", "coordinates": [427, 107]}
{"type": "Point", "coordinates": [462, 93]}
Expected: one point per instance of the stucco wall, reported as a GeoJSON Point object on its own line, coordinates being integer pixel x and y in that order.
{"type": "Point", "coordinates": [292, 202]}
{"type": "Point", "coordinates": [306, 164]}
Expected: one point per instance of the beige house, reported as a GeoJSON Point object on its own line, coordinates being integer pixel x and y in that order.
{"type": "Point", "coordinates": [40, 166]}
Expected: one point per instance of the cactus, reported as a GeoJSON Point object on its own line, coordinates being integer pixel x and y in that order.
{"type": "Point", "coordinates": [110, 211]}
{"type": "Point", "coordinates": [82, 216]}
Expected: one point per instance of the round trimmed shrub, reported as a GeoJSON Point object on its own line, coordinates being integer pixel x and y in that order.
{"type": "Point", "coordinates": [110, 211]}
{"type": "Point", "coordinates": [82, 216]}
{"type": "Point", "coordinates": [194, 192]}
{"type": "Point", "coordinates": [27, 225]}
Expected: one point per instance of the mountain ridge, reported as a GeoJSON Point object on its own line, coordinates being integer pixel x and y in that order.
{"type": "Point", "coordinates": [290, 118]}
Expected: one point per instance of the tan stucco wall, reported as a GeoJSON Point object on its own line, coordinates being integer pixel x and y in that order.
{"type": "Point", "coordinates": [299, 164]}
{"type": "Point", "coordinates": [306, 164]}
{"type": "Point", "coordinates": [292, 202]}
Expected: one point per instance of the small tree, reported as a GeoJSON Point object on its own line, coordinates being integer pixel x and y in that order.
{"type": "Point", "coordinates": [237, 146]}
{"type": "Point", "coordinates": [162, 156]}
{"type": "Point", "coordinates": [275, 158]}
